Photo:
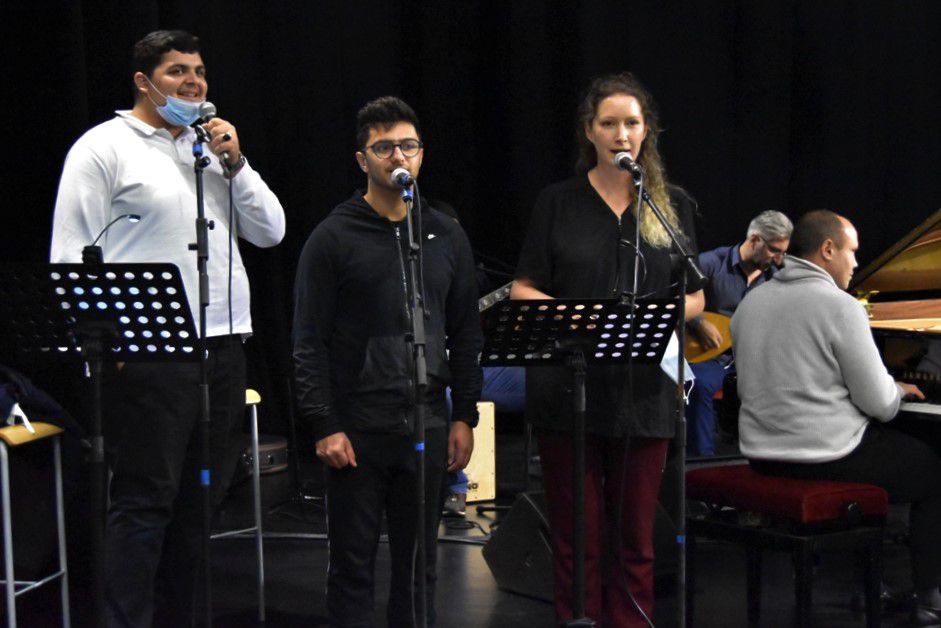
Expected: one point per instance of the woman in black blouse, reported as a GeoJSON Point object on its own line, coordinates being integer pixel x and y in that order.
{"type": "Point", "coordinates": [580, 244]}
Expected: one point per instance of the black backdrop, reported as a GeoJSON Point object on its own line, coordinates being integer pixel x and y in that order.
{"type": "Point", "coordinates": [787, 105]}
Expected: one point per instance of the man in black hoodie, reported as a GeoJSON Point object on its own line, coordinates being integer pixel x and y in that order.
{"type": "Point", "coordinates": [354, 369]}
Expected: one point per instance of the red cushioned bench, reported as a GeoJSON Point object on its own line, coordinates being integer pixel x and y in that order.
{"type": "Point", "coordinates": [800, 517]}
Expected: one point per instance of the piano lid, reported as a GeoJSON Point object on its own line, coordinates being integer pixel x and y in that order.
{"type": "Point", "coordinates": [903, 285]}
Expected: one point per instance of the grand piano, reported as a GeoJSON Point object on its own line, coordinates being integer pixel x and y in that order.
{"type": "Point", "coordinates": [901, 290]}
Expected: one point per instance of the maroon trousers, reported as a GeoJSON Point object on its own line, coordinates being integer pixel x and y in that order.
{"type": "Point", "coordinates": [609, 483]}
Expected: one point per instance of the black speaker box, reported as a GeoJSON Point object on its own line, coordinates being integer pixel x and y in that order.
{"type": "Point", "coordinates": [518, 552]}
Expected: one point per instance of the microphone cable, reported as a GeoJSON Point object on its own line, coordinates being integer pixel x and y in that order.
{"type": "Point", "coordinates": [417, 222]}
{"type": "Point", "coordinates": [233, 233]}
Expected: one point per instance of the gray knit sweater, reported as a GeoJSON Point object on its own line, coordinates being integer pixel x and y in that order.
{"type": "Point", "coordinates": [809, 374]}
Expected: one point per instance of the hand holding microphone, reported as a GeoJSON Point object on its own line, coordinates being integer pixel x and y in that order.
{"type": "Point", "coordinates": [224, 140]}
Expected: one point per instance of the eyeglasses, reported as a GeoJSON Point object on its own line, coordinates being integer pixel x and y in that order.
{"type": "Point", "coordinates": [775, 250]}
{"type": "Point", "coordinates": [383, 149]}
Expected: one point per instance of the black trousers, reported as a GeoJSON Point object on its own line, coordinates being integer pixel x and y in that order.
{"type": "Point", "coordinates": [904, 458]}
{"type": "Point", "coordinates": [384, 481]}
{"type": "Point", "coordinates": [154, 530]}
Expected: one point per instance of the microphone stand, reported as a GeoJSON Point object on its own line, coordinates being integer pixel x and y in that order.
{"type": "Point", "coordinates": [94, 348]}
{"type": "Point", "coordinates": [416, 338]}
{"type": "Point", "coordinates": [688, 268]}
{"type": "Point", "coordinates": [201, 246]}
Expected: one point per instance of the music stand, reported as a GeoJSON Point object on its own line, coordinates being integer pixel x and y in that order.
{"type": "Point", "coordinates": [96, 312]}
{"type": "Point", "coordinates": [576, 332]}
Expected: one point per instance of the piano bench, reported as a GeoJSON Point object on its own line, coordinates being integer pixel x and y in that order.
{"type": "Point", "coordinates": [800, 517]}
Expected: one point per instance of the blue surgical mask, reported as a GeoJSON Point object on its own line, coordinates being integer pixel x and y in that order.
{"type": "Point", "coordinates": [176, 111]}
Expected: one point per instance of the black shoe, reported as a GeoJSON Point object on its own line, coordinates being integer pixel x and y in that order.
{"type": "Point", "coordinates": [455, 505]}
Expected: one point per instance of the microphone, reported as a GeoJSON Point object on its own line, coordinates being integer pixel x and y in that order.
{"type": "Point", "coordinates": [625, 161]}
{"type": "Point", "coordinates": [207, 111]}
{"type": "Point", "coordinates": [402, 178]}
{"type": "Point", "coordinates": [92, 253]}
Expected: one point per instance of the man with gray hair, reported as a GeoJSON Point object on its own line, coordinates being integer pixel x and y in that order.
{"type": "Point", "coordinates": [732, 272]}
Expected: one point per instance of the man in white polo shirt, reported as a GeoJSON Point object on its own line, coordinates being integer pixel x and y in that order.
{"type": "Point", "coordinates": [141, 162]}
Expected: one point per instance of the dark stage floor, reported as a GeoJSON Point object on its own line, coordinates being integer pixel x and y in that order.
{"type": "Point", "coordinates": [296, 557]}
{"type": "Point", "coordinates": [468, 595]}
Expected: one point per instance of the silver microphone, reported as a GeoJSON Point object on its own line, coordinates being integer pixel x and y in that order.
{"type": "Point", "coordinates": [207, 111]}
{"type": "Point", "coordinates": [402, 178]}
{"type": "Point", "coordinates": [625, 161]}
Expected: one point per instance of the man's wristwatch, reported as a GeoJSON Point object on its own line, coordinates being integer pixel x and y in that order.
{"type": "Point", "coordinates": [231, 170]}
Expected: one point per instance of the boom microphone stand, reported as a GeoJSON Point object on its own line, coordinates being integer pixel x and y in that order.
{"type": "Point", "coordinates": [688, 268]}
{"type": "Point", "coordinates": [201, 246]}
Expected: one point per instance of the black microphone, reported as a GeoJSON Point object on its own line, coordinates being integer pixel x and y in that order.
{"type": "Point", "coordinates": [402, 178]}
{"type": "Point", "coordinates": [92, 254]}
{"type": "Point", "coordinates": [206, 111]}
{"type": "Point", "coordinates": [625, 161]}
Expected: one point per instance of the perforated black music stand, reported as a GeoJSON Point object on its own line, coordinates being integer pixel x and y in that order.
{"type": "Point", "coordinates": [576, 332]}
{"type": "Point", "coordinates": [544, 332]}
{"type": "Point", "coordinates": [96, 312]}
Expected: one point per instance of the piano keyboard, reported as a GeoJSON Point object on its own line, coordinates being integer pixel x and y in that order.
{"type": "Point", "coordinates": [920, 407]}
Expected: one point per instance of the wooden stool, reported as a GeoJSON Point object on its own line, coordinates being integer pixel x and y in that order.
{"type": "Point", "coordinates": [17, 436]}
{"type": "Point", "coordinates": [252, 399]}
{"type": "Point", "coordinates": [806, 516]}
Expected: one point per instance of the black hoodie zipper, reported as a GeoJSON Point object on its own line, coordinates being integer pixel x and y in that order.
{"type": "Point", "coordinates": [408, 316]}
{"type": "Point", "coordinates": [398, 248]}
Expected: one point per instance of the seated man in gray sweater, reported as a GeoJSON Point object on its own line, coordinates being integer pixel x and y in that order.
{"type": "Point", "coordinates": [817, 402]}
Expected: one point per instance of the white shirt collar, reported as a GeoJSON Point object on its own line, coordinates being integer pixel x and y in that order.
{"type": "Point", "coordinates": [144, 128]}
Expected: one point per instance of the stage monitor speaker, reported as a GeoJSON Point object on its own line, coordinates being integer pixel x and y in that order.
{"type": "Point", "coordinates": [518, 552]}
